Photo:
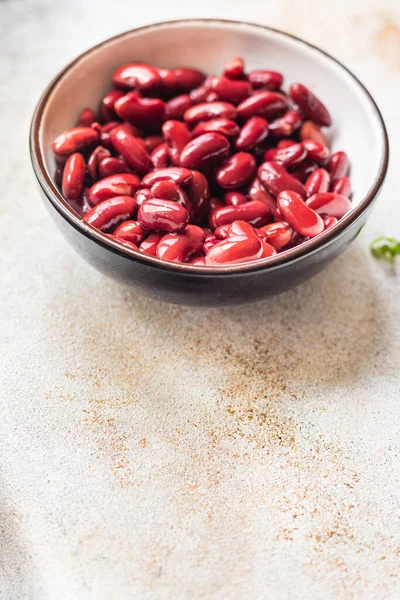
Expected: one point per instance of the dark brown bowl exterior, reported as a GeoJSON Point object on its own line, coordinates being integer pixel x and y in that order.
{"type": "Point", "coordinates": [200, 289]}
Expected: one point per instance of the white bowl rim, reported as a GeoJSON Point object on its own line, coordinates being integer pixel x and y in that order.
{"type": "Point", "coordinates": [311, 246]}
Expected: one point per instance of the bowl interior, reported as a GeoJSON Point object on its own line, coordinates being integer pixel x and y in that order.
{"type": "Point", "coordinates": [208, 45]}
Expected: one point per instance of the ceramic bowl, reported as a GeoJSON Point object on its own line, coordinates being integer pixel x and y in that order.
{"type": "Point", "coordinates": [208, 45]}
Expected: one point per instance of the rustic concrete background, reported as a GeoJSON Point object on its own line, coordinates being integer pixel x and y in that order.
{"type": "Point", "coordinates": [152, 452]}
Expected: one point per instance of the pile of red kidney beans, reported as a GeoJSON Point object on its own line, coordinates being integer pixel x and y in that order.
{"type": "Point", "coordinates": [208, 171]}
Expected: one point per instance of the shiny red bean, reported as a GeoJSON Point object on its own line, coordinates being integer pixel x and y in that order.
{"type": "Point", "coordinates": [209, 242]}
{"type": "Point", "coordinates": [160, 156]}
{"type": "Point", "coordinates": [132, 150]}
{"type": "Point", "coordinates": [285, 143]}
{"type": "Point", "coordinates": [110, 213]}
{"type": "Point", "coordinates": [130, 231]}
{"type": "Point", "coordinates": [253, 132]}
{"type": "Point", "coordinates": [225, 127]}
{"type": "Point", "coordinates": [168, 190]}
{"type": "Point", "coordinates": [268, 249]}
{"type": "Point", "coordinates": [278, 234]}
{"type": "Point", "coordinates": [222, 232]}
{"type": "Point", "coordinates": [176, 107]}
{"type": "Point", "coordinates": [291, 155]}
{"type": "Point", "coordinates": [234, 250]}
{"type": "Point", "coordinates": [238, 170]}
{"type": "Point", "coordinates": [270, 80]}
{"type": "Point", "coordinates": [230, 90]}
{"type": "Point", "coordinates": [73, 180]}
{"type": "Point", "coordinates": [263, 104]}
{"type": "Point", "coordinates": [316, 150]}
{"type": "Point", "coordinates": [74, 140]}
{"type": "Point", "coordinates": [176, 135]}
{"type": "Point", "coordinates": [209, 110]}
{"type": "Point", "coordinates": [256, 191]}
{"type": "Point", "coordinates": [111, 166]}
{"type": "Point", "coordinates": [234, 69]}
{"type": "Point", "coordinates": [329, 204]}
{"type": "Point", "coordinates": [234, 198]}
{"type": "Point", "coordinates": [318, 181]}
{"type": "Point", "coordinates": [106, 109]}
{"type": "Point", "coordinates": [142, 195]}
{"type": "Point", "coordinates": [200, 93]}
{"type": "Point", "coordinates": [149, 245]}
{"type": "Point", "coordinates": [302, 171]}
{"type": "Point", "coordinates": [338, 165]}
{"type": "Point", "coordinates": [178, 175]}
{"type": "Point", "coordinates": [163, 215]}
{"type": "Point", "coordinates": [123, 242]}
{"type": "Point", "coordinates": [276, 179]}
{"type": "Point", "coordinates": [330, 222]}
{"type": "Point", "coordinates": [148, 113]}
{"type": "Point", "coordinates": [209, 148]}
{"type": "Point", "coordinates": [116, 185]}
{"type": "Point", "coordinates": [301, 217]}
{"type": "Point", "coordinates": [152, 141]}
{"type": "Point", "coordinates": [310, 130]}
{"type": "Point", "coordinates": [138, 76]}
{"type": "Point", "coordinates": [310, 105]}
{"type": "Point", "coordinates": [286, 125]}
{"type": "Point", "coordinates": [94, 160]}
{"type": "Point", "coordinates": [86, 117]}
{"type": "Point", "coordinates": [254, 212]}
{"type": "Point", "coordinates": [188, 79]}
{"type": "Point", "coordinates": [197, 259]}
{"type": "Point", "coordinates": [178, 247]}
{"type": "Point", "coordinates": [199, 195]}
{"type": "Point", "coordinates": [342, 186]}
{"type": "Point", "coordinates": [105, 132]}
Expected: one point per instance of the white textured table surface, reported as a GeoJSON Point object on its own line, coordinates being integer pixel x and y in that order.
{"type": "Point", "coordinates": [152, 452]}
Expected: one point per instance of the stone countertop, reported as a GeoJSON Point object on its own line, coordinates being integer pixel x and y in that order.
{"type": "Point", "coordinates": [151, 451]}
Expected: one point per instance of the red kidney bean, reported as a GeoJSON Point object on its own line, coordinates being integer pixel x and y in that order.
{"type": "Point", "coordinates": [160, 157]}
{"type": "Point", "coordinates": [94, 160]}
{"type": "Point", "coordinates": [254, 212]}
{"type": "Point", "coordinates": [142, 195]}
{"type": "Point", "coordinates": [330, 222]}
{"type": "Point", "coordinates": [270, 80]}
{"type": "Point", "coordinates": [132, 150]}
{"type": "Point", "coordinates": [253, 132]}
{"type": "Point", "coordinates": [222, 232]}
{"type": "Point", "coordinates": [234, 250]}
{"type": "Point", "coordinates": [149, 245]}
{"type": "Point", "coordinates": [130, 231]}
{"type": "Point", "coordinates": [209, 242]}
{"type": "Point", "coordinates": [209, 148]}
{"type": "Point", "coordinates": [178, 247]}
{"type": "Point", "coordinates": [73, 180]}
{"type": "Point", "coordinates": [176, 107]}
{"type": "Point", "coordinates": [116, 185]}
{"type": "Point", "coordinates": [123, 242]}
{"type": "Point", "coordinates": [341, 186]}
{"type": "Point", "coordinates": [178, 175]}
{"type": "Point", "coordinates": [226, 127]}
{"type": "Point", "coordinates": [197, 259]}
{"type": "Point", "coordinates": [234, 69]}
{"type": "Point", "coordinates": [237, 171]}
{"type": "Point", "coordinates": [318, 181]}
{"type": "Point", "coordinates": [169, 82]}
{"type": "Point", "coordinates": [163, 215]}
{"type": "Point", "coordinates": [263, 104]}
{"type": "Point", "coordinates": [276, 179]}
{"type": "Point", "coordinates": [239, 227]}
{"type": "Point", "coordinates": [86, 117]}
{"type": "Point", "coordinates": [286, 125]}
{"type": "Point", "coordinates": [199, 94]}
{"type": "Point", "coordinates": [234, 198]}
{"type": "Point", "coordinates": [291, 155]}
{"type": "Point", "coordinates": [268, 250]}
{"type": "Point", "coordinates": [137, 75]}
{"type": "Point", "coordinates": [188, 79]}
{"type": "Point", "coordinates": [330, 204]}
{"type": "Point", "coordinates": [338, 165]}
{"type": "Point", "coordinates": [278, 234]}
{"type": "Point", "coordinates": [310, 130]}
{"type": "Point", "coordinates": [230, 90]}
{"type": "Point", "coordinates": [168, 190]}
{"type": "Point", "coordinates": [309, 104]}
{"type": "Point", "coordinates": [256, 191]}
{"type": "Point", "coordinates": [270, 154]}
{"type": "Point", "coordinates": [176, 135]}
{"type": "Point", "coordinates": [75, 139]}
{"type": "Point", "coordinates": [302, 171]}
{"type": "Point", "coordinates": [315, 150]}
{"type": "Point", "coordinates": [285, 143]}
{"type": "Point", "coordinates": [209, 110]}
{"type": "Point", "coordinates": [111, 166]}
{"type": "Point", "coordinates": [106, 109]}
{"type": "Point", "coordinates": [199, 194]}
{"type": "Point", "coordinates": [110, 213]}
{"type": "Point", "coordinates": [105, 132]}
{"type": "Point", "coordinates": [301, 217]}
{"type": "Point", "coordinates": [152, 141]}
{"type": "Point", "coordinates": [143, 112]}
